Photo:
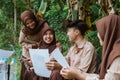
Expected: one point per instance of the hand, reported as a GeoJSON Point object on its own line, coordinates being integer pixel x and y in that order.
{"type": "Point", "coordinates": [28, 61]}
{"type": "Point", "coordinates": [72, 73]}
{"type": "Point", "coordinates": [32, 69]}
{"type": "Point", "coordinates": [28, 46]}
{"type": "Point", "coordinates": [52, 65]}
{"type": "Point", "coordinates": [68, 73]}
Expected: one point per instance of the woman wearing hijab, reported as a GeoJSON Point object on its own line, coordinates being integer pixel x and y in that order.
{"type": "Point", "coordinates": [109, 36]}
{"type": "Point", "coordinates": [30, 36]}
{"type": "Point", "coordinates": [48, 42]}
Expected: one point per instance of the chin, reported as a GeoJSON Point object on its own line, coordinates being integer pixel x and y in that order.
{"type": "Point", "coordinates": [70, 40]}
{"type": "Point", "coordinates": [48, 42]}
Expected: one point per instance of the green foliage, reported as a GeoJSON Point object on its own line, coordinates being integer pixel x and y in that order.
{"type": "Point", "coordinates": [56, 13]}
{"type": "Point", "coordinates": [55, 17]}
{"type": "Point", "coordinates": [116, 5]}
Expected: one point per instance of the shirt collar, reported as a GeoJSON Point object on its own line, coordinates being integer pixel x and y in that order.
{"type": "Point", "coordinates": [81, 43]}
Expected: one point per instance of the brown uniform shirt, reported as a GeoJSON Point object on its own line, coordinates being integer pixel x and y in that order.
{"type": "Point", "coordinates": [26, 41]}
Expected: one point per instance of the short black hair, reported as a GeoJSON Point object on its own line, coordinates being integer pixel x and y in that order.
{"type": "Point", "coordinates": [78, 24]}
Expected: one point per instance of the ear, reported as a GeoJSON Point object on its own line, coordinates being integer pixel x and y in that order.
{"type": "Point", "coordinates": [77, 32]}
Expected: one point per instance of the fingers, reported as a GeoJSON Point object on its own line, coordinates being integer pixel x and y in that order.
{"type": "Point", "coordinates": [30, 63]}
{"type": "Point", "coordinates": [50, 65]}
{"type": "Point", "coordinates": [64, 72]}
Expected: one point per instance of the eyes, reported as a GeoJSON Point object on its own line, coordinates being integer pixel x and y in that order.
{"type": "Point", "coordinates": [48, 33]}
{"type": "Point", "coordinates": [29, 22]}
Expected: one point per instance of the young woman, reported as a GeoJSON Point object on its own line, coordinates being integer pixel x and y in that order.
{"type": "Point", "coordinates": [81, 56]}
{"type": "Point", "coordinates": [109, 35]}
{"type": "Point", "coordinates": [48, 42]}
{"type": "Point", "coordinates": [30, 36]}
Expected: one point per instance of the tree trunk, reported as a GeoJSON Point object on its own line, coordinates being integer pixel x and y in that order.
{"type": "Point", "coordinates": [15, 15]}
{"type": "Point", "coordinates": [106, 6]}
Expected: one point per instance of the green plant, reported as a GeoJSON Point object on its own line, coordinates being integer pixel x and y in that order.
{"type": "Point", "coordinates": [56, 17]}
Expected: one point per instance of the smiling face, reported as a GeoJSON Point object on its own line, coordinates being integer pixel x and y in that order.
{"type": "Point", "coordinates": [30, 23]}
{"type": "Point", "coordinates": [48, 37]}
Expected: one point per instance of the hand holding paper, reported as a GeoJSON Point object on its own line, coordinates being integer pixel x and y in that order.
{"type": "Point", "coordinates": [60, 58]}
{"type": "Point", "coordinates": [39, 57]}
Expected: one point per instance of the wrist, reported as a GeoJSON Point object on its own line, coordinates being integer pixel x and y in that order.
{"type": "Point", "coordinates": [34, 46]}
{"type": "Point", "coordinates": [81, 76]}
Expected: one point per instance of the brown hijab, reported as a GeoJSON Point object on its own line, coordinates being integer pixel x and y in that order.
{"type": "Point", "coordinates": [44, 45]}
{"type": "Point", "coordinates": [30, 15]}
{"type": "Point", "coordinates": [109, 30]}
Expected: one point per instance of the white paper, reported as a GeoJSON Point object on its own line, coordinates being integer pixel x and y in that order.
{"type": "Point", "coordinates": [5, 53]}
{"type": "Point", "coordinates": [60, 58]}
{"type": "Point", "coordinates": [39, 57]}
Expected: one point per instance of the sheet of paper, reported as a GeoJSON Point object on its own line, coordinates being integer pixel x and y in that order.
{"type": "Point", "coordinates": [39, 57]}
{"type": "Point", "coordinates": [60, 58]}
{"type": "Point", "coordinates": [5, 53]}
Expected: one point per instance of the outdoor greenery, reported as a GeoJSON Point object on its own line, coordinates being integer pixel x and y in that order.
{"type": "Point", "coordinates": [55, 12]}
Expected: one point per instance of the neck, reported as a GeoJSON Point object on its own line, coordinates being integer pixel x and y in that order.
{"type": "Point", "coordinates": [79, 39]}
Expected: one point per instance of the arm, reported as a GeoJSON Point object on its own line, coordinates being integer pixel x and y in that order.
{"type": "Point", "coordinates": [70, 73]}
{"type": "Point", "coordinates": [26, 43]}
{"type": "Point", "coordinates": [86, 60]}
{"type": "Point", "coordinates": [113, 73]}
{"type": "Point", "coordinates": [53, 65]}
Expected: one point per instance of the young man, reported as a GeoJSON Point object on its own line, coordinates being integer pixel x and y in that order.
{"type": "Point", "coordinates": [109, 36]}
{"type": "Point", "coordinates": [81, 56]}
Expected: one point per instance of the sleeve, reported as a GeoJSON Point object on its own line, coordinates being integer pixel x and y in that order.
{"type": "Point", "coordinates": [25, 43]}
{"type": "Point", "coordinates": [86, 59]}
{"type": "Point", "coordinates": [92, 77]}
{"type": "Point", "coordinates": [113, 73]}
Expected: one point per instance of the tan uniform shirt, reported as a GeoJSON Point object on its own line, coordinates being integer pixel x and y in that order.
{"type": "Point", "coordinates": [82, 57]}
{"type": "Point", "coordinates": [27, 41]}
{"type": "Point", "coordinates": [113, 73]}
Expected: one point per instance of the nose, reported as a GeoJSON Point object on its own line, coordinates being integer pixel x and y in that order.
{"type": "Point", "coordinates": [48, 36]}
{"type": "Point", "coordinates": [30, 24]}
{"type": "Point", "coordinates": [67, 33]}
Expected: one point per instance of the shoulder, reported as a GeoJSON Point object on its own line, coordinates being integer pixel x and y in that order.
{"type": "Point", "coordinates": [72, 48]}
{"type": "Point", "coordinates": [116, 64]}
{"type": "Point", "coordinates": [42, 21]}
{"type": "Point", "coordinates": [89, 46]}
{"type": "Point", "coordinates": [22, 33]}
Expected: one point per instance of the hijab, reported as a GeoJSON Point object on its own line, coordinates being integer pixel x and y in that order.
{"type": "Point", "coordinates": [109, 31]}
{"type": "Point", "coordinates": [30, 15]}
{"type": "Point", "coordinates": [44, 45]}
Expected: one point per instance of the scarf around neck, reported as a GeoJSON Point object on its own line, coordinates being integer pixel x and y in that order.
{"type": "Point", "coordinates": [30, 15]}
{"type": "Point", "coordinates": [44, 45]}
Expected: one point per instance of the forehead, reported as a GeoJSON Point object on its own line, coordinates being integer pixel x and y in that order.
{"type": "Point", "coordinates": [71, 29]}
{"type": "Point", "coordinates": [48, 31]}
{"type": "Point", "coordinates": [28, 20]}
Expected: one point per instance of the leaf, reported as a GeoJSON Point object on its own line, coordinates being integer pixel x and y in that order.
{"type": "Point", "coordinates": [43, 7]}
